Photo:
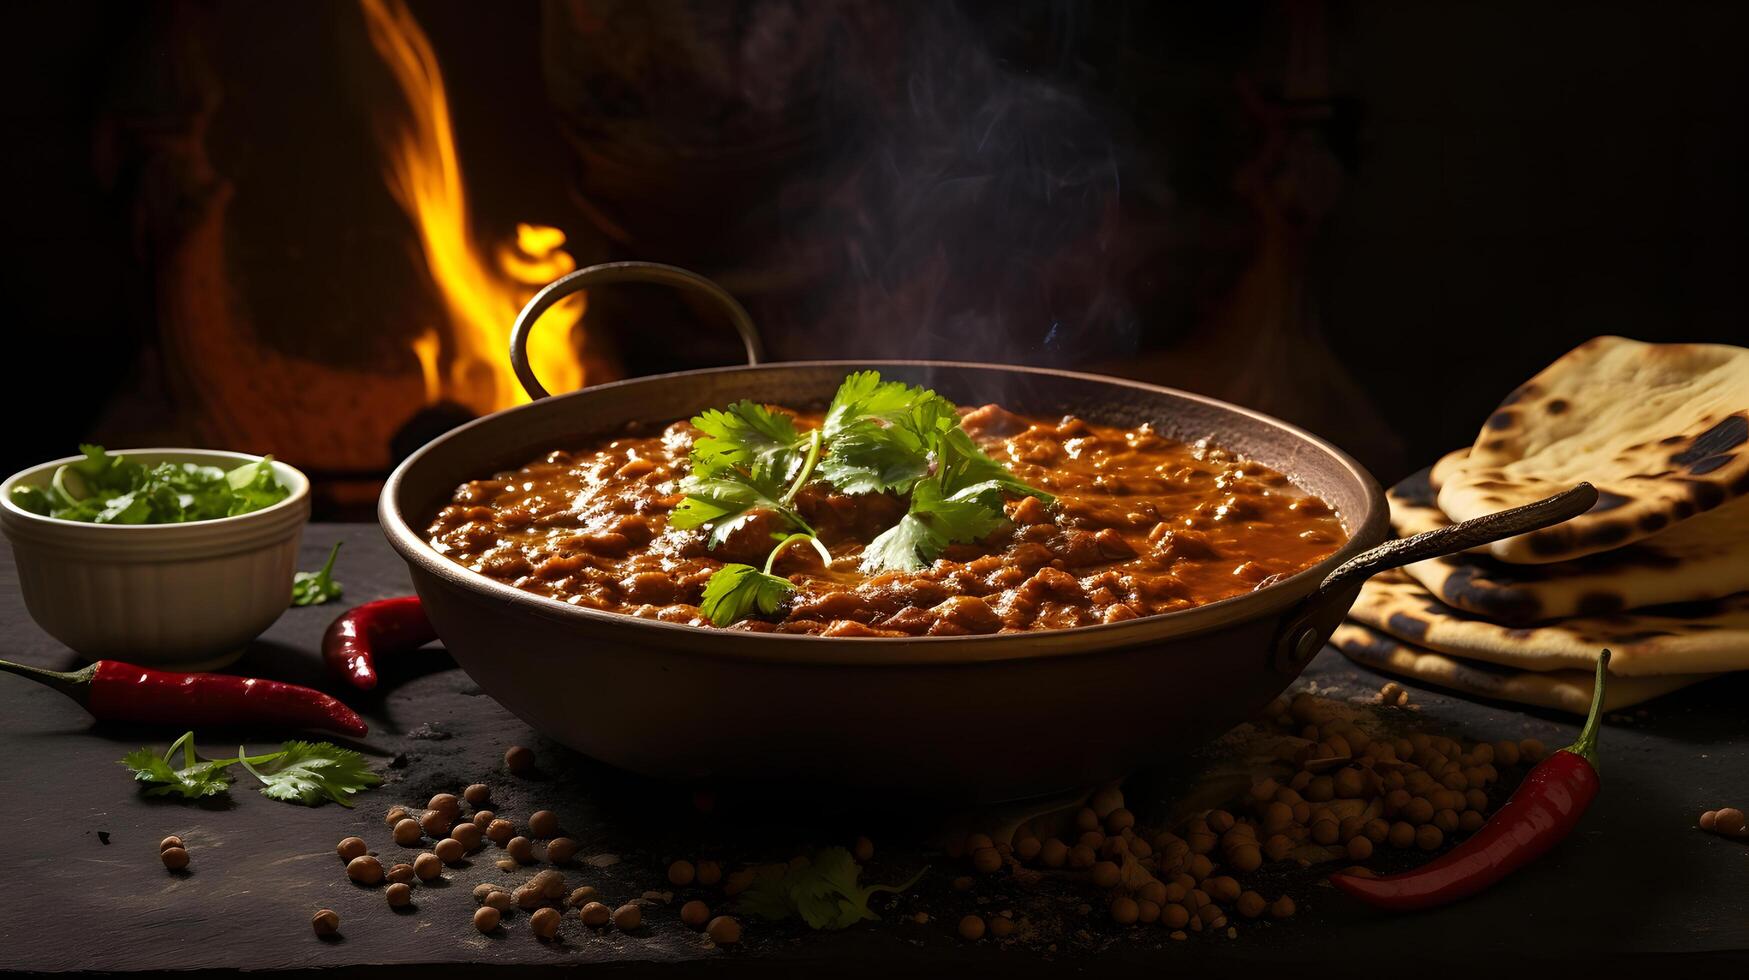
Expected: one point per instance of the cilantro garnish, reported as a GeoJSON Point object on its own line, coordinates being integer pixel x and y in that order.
{"type": "Point", "coordinates": [824, 892]}
{"type": "Point", "coordinates": [111, 489]}
{"type": "Point", "coordinates": [300, 772]}
{"type": "Point", "coordinates": [315, 588]}
{"type": "Point", "coordinates": [309, 772]}
{"type": "Point", "coordinates": [931, 524]}
{"type": "Point", "coordinates": [194, 780]}
{"type": "Point", "coordinates": [877, 437]}
{"type": "Point", "coordinates": [736, 591]}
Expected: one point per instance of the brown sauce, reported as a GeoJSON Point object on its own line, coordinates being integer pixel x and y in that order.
{"type": "Point", "coordinates": [1142, 525]}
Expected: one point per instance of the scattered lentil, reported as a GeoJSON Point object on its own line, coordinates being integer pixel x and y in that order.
{"type": "Point", "coordinates": [627, 917]}
{"type": "Point", "coordinates": [427, 866]}
{"type": "Point", "coordinates": [724, 930]}
{"type": "Point", "coordinates": [447, 803]}
{"type": "Point", "coordinates": [972, 926]}
{"type": "Point", "coordinates": [326, 922]}
{"type": "Point", "coordinates": [519, 759]}
{"type": "Point", "coordinates": [449, 850]}
{"type": "Point", "coordinates": [174, 858]}
{"type": "Point", "coordinates": [486, 918]}
{"type": "Point", "coordinates": [407, 832]}
{"type": "Point", "coordinates": [543, 824]}
{"type": "Point", "coordinates": [544, 924]}
{"type": "Point", "coordinates": [399, 895]}
{"type": "Point", "coordinates": [365, 870]}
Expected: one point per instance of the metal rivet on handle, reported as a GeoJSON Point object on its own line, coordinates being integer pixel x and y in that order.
{"type": "Point", "coordinates": [1306, 645]}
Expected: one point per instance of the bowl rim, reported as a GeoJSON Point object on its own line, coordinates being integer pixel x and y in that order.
{"type": "Point", "coordinates": [299, 485]}
{"type": "Point", "coordinates": [1368, 529]}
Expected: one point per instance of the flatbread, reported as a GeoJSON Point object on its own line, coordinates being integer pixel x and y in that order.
{"type": "Point", "coordinates": [1693, 638]}
{"type": "Point", "coordinates": [1561, 690]}
{"type": "Point", "coordinates": [1704, 557]}
{"type": "Point", "coordinates": [1659, 429]}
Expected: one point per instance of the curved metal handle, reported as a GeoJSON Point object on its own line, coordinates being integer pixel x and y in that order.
{"type": "Point", "coordinates": [608, 273]}
{"type": "Point", "coordinates": [1304, 631]}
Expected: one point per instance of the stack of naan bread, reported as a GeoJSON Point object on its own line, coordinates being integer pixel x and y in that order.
{"type": "Point", "coordinates": [1657, 571]}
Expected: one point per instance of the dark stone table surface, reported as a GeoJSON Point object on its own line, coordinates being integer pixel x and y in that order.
{"type": "Point", "coordinates": [81, 888]}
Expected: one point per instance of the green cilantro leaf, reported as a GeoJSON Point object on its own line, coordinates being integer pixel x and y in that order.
{"type": "Point", "coordinates": [34, 499]}
{"type": "Point", "coordinates": [867, 457]}
{"type": "Point", "coordinates": [309, 772]}
{"type": "Point", "coordinates": [735, 591]}
{"type": "Point", "coordinates": [195, 779]}
{"type": "Point", "coordinates": [104, 488]}
{"type": "Point", "coordinates": [877, 437]}
{"type": "Point", "coordinates": [825, 893]}
{"type": "Point", "coordinates": [726, 503]}
{"type": "Point", "coordinates": [933, 522]}
{"type": "Point", "coordinates": [253, 486]}
{"type": "Point", "coordinates": [863, 395]}
{"type": "Point", "coordinates": [315, 588]}
{"type": "Point", "coordinates": [300, 772]}
{"type": "Point", "coordinates": [747, 437]}
{"type": "Point", "coordinates": [964, 465]}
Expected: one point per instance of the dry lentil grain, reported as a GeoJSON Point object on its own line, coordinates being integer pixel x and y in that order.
{"type": "Point", "coordinates": [543, 823]}
{"type": "Point", "coordinates": [407, 832]}
{"type": "Point", "coordinates": [427, 866]}
{"type": "Point", "coordinates": [972, 926]}
{"type": "Point", "coordinates": [544, 923]}
{"type": "Point", "coordinates": [724, 930]}
{"type": "Point", "coordinates": [365, 870]}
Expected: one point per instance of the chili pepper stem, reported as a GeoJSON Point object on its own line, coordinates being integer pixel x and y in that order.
{"type": "Point", "coordinates": [74, 684]}
{"type": "Point", "coordinates": [1586, 745]}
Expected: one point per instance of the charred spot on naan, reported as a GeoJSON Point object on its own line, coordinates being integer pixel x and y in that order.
{"type": "Point", "coordinates": [1716, 441]}
{"type": "Point", "coordinates": [1407, 626]}
{"type": "Point", "coordinates": [1416, 488]}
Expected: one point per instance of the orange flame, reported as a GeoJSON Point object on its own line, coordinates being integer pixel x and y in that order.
{"type": "Point", "coordinates": [482, 299]}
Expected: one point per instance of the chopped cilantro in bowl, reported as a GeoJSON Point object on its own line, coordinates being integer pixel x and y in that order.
{"type": "Point", "coordinates": [105, 488]}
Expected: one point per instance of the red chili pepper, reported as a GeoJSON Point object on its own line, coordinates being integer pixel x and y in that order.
{"type": "Point", "coordinates": [353, 641]}
{"type": "Point", "coordinates": [1541, 812]}
{"type": "Point", "coordinates": [116, 691]}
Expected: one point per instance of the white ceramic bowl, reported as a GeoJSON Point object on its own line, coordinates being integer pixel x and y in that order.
{"type": "Point", "coordinates": [184, 596]}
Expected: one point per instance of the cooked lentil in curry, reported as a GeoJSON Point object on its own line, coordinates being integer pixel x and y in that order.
{"type": "Point", "coordinates": [1142, 524]}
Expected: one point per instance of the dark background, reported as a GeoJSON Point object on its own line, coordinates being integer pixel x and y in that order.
{"type": "Point", "coordinates": [1372, 218]}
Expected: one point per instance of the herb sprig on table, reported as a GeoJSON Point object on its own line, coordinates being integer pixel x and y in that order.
{"type": "Point", "coordinates": [877, 437]}
{"type": "Point", "coordinates": [317, 587]}
{"type": "Point", "coordinates": [300, 772]}
{"type": "Point", "coordinates": [105, 488]}
{"type": "Point", "coordinates": [825, 892]}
